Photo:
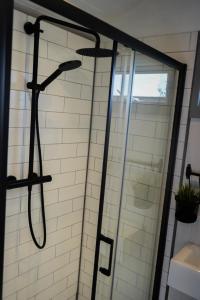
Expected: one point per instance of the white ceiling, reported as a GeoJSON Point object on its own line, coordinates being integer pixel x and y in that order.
{"type": "Point", "coordinates": [145, 17]}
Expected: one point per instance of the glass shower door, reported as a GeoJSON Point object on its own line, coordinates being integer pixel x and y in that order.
{"type": "Point", "coordinates": [143, 100]}
{"type": "Point", "coordinates": [120, 104]}
{"type": "Point", "coordinates": [145, 169]}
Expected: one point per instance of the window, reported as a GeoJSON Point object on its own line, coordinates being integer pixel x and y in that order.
{"type": "Point", "coordinates": [147, 87]}
{"type": "Point", "coordinates": [117, 89]}
{"type": "Point", "coordinates": [150, 85]}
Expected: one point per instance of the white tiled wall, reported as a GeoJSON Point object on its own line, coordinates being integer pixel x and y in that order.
{"type": "Point", "coordinates": [181, 47]}
{"type": "Point", "coordinates": [64, 113]}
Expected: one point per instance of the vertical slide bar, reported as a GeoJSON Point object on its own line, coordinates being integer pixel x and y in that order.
{"type": "Point", "coordinates": [34, 100]}
{"type": "Point", "coordinates": [104, 171]}
{"type": "Point", "coordinates": [6, 20]}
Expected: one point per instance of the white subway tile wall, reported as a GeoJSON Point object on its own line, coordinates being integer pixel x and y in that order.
{"type": "Point", "coordinates": [64, 112]}
{"type": "Point", "coordinates": [182, 47]}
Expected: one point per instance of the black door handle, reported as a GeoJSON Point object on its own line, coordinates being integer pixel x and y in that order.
{"type": "Point", "coordinates": [110, 242]}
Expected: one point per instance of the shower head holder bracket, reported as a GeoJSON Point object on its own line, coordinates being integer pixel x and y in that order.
{"type": "Point", "coordinates": [31, 28]}
{"type": "Point", "coordinates": [34, 86]}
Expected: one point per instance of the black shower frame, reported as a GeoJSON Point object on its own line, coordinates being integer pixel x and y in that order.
{"type": "Point", "coordinates": [70, 12]}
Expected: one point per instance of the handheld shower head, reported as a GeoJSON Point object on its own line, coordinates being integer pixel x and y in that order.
{"type": "Point", "coordinates": [66, 66]}
{"type": "Point", "coordinates": [69, 65]}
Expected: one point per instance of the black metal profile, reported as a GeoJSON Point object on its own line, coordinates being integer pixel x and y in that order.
{"type": "Point", "coordinates": [68, 25]}
{"type": "Point", "coordinates": [85, 19]}
{"type": "Point", "coordinates": [104, 171]}
{"type": "Point", "coordinates": [169, 182]}
{"type": "Point", "coordinates": [6, 19]}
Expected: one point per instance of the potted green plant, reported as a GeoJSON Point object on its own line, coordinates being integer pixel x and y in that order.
{"type": "Point", "coordinates": [187, 204]}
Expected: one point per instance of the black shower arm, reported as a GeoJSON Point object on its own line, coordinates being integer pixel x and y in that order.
{"type": "Point", "coordinates": [69, 25]}
{"type": "Point", "coordinates": [35, 28]}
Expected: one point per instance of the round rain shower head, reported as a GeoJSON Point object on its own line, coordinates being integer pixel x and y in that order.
{"type": "Point", "coordinates": [95, 52]}
{"type": "Point", "coordinates": [69, 65]}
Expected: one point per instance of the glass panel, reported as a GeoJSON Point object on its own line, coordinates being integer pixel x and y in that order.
{"type": "Point", "coordinates": [117, 142]}
{"type": "Point", "coordinates": [146, 160]}
{"type": "Point", "coordinates": [91, 209]}
{"type": "Point", "coordinates": [145, 85]}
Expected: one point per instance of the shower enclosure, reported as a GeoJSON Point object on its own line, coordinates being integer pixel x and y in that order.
{"type": "Point", "coordinates": [107, 145]}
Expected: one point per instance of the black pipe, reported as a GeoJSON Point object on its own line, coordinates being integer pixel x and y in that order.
{"type": "Point", "coordinates": [69, 25]}
{"type": "Point", "coordinates": [36, 88]}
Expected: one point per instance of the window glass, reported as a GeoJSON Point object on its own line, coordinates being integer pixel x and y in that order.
{"type": "Point", "coordinates": [145, 85]}
{"type": "Point", "coordinates": [150, 85]}
{"type": "Point", "coordinates": [117, 89]}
